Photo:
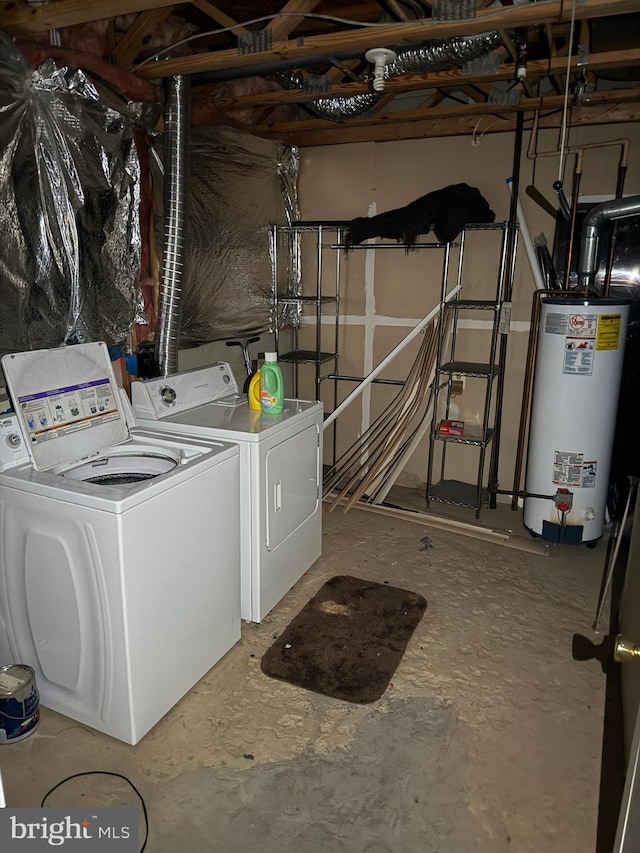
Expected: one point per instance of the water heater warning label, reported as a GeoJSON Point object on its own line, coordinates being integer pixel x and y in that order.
{"type": "Point", "coordinates": [586, 334]}
{"type": "Point", "coordinates": [608, 334]}
{"type": "Point", "coordinates": [570, 469]}
{"type": "Point", "coordinates": [578, 356]}
{"type": "Point", "coordinates": [579, 344]}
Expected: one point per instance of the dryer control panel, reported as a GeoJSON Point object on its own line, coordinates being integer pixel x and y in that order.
{"type": "Point", "coordinates": [155, 399]}
{"type": "Point", "coordinates": [12, 448]}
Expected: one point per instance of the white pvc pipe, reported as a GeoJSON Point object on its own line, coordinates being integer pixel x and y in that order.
{"type": "Point", "coordinates": [389, 358]}
{"type": "Point", "coordinates": [528, 243]}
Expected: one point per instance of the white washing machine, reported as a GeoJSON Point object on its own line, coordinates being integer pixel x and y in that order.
{"type": "Point", "coordinates": [119, 550]}
{"type": "Point", "coordinates": [280, 472]}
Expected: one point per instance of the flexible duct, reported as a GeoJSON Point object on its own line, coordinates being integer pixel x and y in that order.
{"type": "Point", "coordinates": [595, 221]}
{"type": "Point", "coordinates": [173, 246]}
{"type": "Point", "coordinates": [432, 56]}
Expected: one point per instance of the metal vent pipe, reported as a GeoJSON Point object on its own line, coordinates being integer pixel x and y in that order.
{"type": "Point", "coordinates": [176, 150]}
{"type": "Point", "coordinates": [595, 221]}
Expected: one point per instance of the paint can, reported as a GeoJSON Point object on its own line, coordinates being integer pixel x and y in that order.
{"type": "Point", "coordinates": [19, 702]}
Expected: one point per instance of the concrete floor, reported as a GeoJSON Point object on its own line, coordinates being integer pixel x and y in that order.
{"type": "Point", "coordinates": [488, 738]}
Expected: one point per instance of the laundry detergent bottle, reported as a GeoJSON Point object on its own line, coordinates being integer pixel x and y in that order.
{"type": "Point", "coordinates": [253, 394]}
{"type": "Point", "coordinates": [271, 385]}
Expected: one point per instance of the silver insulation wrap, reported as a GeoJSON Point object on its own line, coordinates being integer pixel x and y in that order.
{"type": "Point", "coordinates": [69, 208]}
{"type": "Point", "coordinates": [174, 254]}
{"type": "Point", "coordinates": [433, 56]}
{"type": "Point", "coordinates": [239, 186]}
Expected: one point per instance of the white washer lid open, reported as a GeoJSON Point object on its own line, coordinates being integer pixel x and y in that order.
{"type": "Point", "coordinates": [67, 402]}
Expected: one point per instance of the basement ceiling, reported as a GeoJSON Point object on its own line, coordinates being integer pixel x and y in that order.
{"type": "Point", "coordinates": [297, 72]}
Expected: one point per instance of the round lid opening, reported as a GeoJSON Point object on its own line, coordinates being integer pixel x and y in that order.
{"type": "Point", "coordinates": [116, 469]}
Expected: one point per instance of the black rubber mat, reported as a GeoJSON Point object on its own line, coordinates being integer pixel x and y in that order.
{"type": "Point", "coordinates": [348, 640]}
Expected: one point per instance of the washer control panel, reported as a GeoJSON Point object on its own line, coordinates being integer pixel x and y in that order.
{"type": "Point", "coordinates": [12, 447]}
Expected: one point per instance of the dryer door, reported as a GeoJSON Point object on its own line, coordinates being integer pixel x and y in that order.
{"type": "Point", "coordinates": [293, 484]}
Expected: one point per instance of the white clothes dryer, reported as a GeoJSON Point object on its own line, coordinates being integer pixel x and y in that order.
{"type": "Point", "coordinates": [119, 549]}
{"type": "Point", "coordinates": [280, 472]}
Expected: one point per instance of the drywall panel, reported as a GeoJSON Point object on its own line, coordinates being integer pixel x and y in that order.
{"type": "Point", "coordinates": [341, 182]}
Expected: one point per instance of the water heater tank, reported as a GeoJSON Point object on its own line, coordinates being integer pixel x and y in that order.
{"type": "Point", "coordinates": [577, 378]}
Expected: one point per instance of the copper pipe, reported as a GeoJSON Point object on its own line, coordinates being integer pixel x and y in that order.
{"type": "Point", "coordinates": [532, 154]}
{"type": "Point", "coordinates": [528, 385]}
{"type": "Point", "coordinates": [575, 192]}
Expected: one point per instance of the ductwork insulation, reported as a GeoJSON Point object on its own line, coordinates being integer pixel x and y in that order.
{"type": "Point", "coordinates": [432, 56]}
{"type": "Point", "coordinates": [176, 170]}
{"type": "Point", "coordinates": [239, 185]}
{"type": "Point", "coordinates": [69, 204]}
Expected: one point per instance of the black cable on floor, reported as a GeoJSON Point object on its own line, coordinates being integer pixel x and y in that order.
{"type": "Point", "coordinates": [107, 773]}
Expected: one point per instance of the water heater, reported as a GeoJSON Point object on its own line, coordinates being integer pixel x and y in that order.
{"type": "Point", "coordinates": [580, 353]}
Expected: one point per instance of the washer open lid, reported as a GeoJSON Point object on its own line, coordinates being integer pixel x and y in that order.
{"type": "Point", "coordinates": [67, 402]}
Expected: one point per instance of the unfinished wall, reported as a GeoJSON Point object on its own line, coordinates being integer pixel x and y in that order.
{"type": "Point", "coordinates": [387, 292]}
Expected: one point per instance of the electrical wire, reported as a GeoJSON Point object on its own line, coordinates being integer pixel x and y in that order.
{"type": "Point", "coordinates": [106, 773]}
{"type": "Point", "coordinates": [475, 139]}
{"type": "Point", "coordinates": [604, 112]}
{"type": "Point", "coordinates": [488, 16]}
{"type": "Point", "coordinates": [260, 20]}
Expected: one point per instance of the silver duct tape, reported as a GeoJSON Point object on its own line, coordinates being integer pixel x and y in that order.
{"type": "Point", "coordinates": [69, 202]}
{"type": "Point", "coordinates": [176, 159]}
{"type": "Point", "coordinates": [433, 56]}
{"type": "Point", "coordinates": [239, 186]}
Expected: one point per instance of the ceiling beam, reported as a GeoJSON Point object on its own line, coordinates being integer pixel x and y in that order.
{"type": "Point", "coordinates": [536, 69]}
{"type": "Point", "coordinates": [22, 20]}
{"type": "Point", "coordinates": [474, 94]}
{"type": "Point", "coordinates": [132, 42]}
{"type": "Point", "coordinates": [533, 14]}
{"type": "Point", "coordinates": [461, 126]}
{"type": "Point", "coordinates": [217, 15]}
{"type": "Point", "coordinates": [433, 100]}
{"type": "Point", "coordinates": [281, 27]}
{"type": "Point", "coordinates": [340, 71]}
{"type": "Point", "coordinates": [378, 126]}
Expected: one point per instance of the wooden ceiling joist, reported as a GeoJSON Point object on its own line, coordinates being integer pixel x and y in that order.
{"type": "Point", "coordinates": [439, 79]}
{"type": "Point", "coordinates": [281, 27]}
{"type": "Point", "coordinates": [132, 42]}
{"type": "Point", "coordinates": [22, 20]}
{"type": "Point", "coordinates": [217, 15]}
{"type": "Point", "coordinates": [624, 105]}
{"type": "Point", "coordinates": [554, 11]}
{"type": "Point", "coordinates": [461, 126]}
{"type": "Point", "coordinates": [334, 45]}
